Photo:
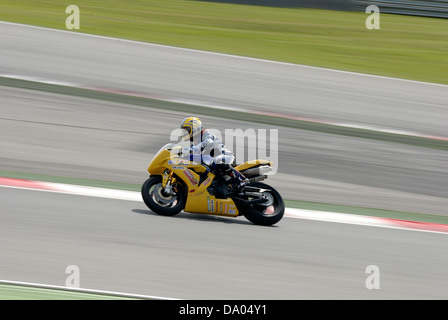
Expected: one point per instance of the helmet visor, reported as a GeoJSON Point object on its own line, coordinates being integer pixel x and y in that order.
{"type": "Point", "coordinates": [186, 133]}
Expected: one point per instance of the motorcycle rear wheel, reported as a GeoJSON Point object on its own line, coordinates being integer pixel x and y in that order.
{"type": "Point", "coordinates": [164, 205]}
{"type": "Point", "coordinates": [262, 214]}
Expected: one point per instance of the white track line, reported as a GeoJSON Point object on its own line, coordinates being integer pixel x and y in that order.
{"type": "Point", "coordinates": [70, 84]}
{"type": "Point", "coordinates": [289, 212]}
{"type": "Point", "coordinates": [218, 53]}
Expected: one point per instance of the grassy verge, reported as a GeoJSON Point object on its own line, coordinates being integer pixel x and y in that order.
{"type": "Point", "coordinates": [412, 216]}
{"type": "Point", "coordinates": [23, 292]}
{"type": "Point", "coordinates": [405, 46]}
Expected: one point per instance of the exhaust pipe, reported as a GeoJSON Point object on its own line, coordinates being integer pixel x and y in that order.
{"type": "Point", "coordinates": [257, 178]}
{"type": "Point", "coordinates": [258, 171]}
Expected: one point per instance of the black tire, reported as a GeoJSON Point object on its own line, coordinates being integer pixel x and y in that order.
{"type": "Point", "coordinates": [172, 205]}
{"type": "Point", "coordinates": [257, 214]}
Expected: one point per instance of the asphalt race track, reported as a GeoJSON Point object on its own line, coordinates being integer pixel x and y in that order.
{"type": "Point", "coordinates": [123, 246]}
{"type": "Point", "coordinates": [223, 80]}
{"type": "Point", "coordinates": [77, 137]}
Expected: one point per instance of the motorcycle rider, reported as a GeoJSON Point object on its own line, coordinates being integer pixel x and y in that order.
{"type": "Point", "coordinates": [206, 147]}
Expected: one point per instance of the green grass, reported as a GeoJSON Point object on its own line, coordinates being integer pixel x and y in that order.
{"type": "Point", "coordinates": [407, 47]}
{"type": "Point", "coordinates": [23, 292]}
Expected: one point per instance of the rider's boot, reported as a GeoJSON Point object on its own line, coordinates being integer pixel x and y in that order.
{"type": "Point", "coordinates": [235, 179]}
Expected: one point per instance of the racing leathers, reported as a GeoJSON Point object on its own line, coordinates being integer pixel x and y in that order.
{"type": "Point", "coordinates": [208, 149]}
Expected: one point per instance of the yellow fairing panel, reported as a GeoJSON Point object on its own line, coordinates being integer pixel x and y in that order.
{"type": "Point", "coordinates": [251, 164]}
{"type": "Point", "coordinates": [200, 201]}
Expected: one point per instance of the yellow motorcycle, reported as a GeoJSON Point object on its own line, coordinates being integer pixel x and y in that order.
{"type": "Point", "coordinates": [177, 184]}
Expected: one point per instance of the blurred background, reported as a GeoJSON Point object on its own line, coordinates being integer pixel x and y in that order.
{"type": "Point", "coordinates": [428, 8]}
{"type": "Point", "coordinates": [362, 122]}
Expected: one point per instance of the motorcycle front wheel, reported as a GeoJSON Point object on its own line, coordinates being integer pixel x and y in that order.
{"type": "Point", "coordinates": [157, 200]}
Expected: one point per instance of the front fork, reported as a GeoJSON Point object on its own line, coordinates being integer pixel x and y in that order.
{"type": "Point", "coordinates": [168, 181]}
